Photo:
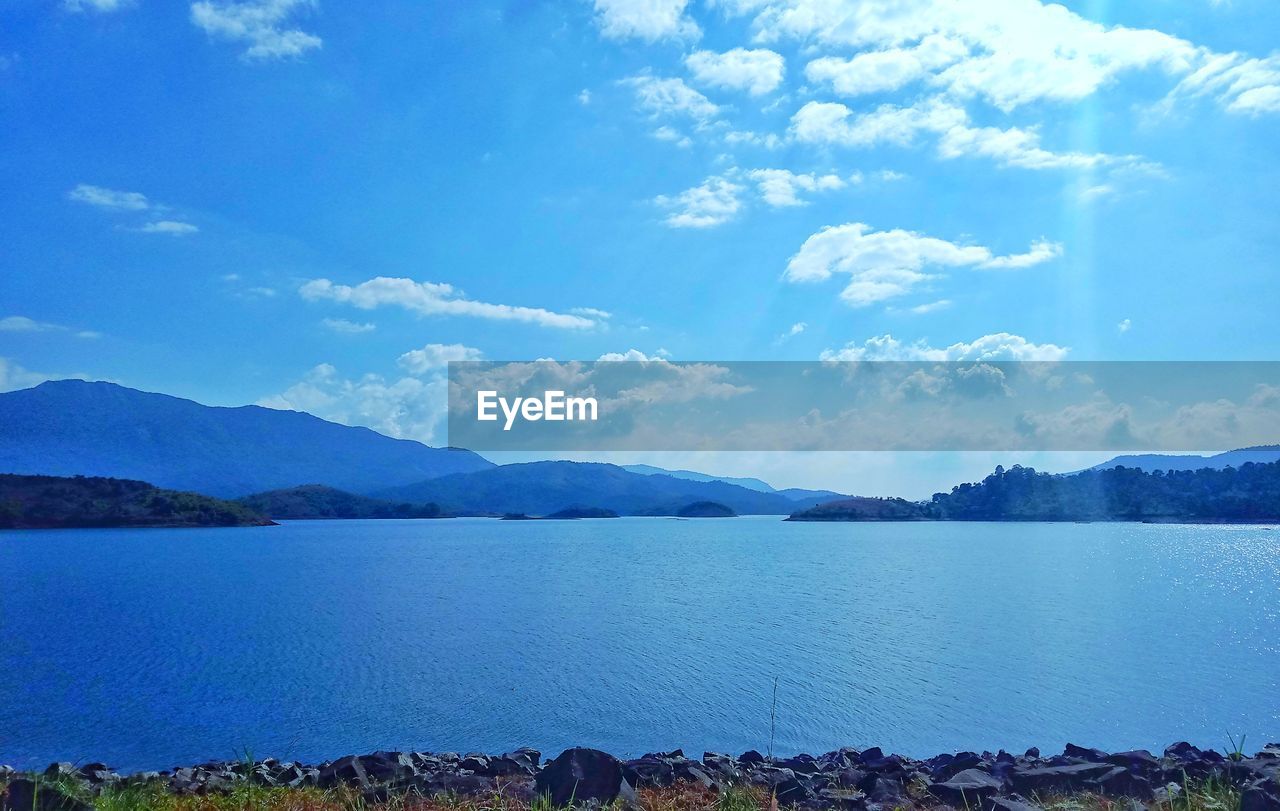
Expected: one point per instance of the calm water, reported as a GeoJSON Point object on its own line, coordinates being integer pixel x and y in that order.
{"type": "Point", "coordinates": [151, 648]}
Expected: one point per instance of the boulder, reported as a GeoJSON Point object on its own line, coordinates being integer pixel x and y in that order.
{"type": "Point", "coordinates": [792, 791]}
{"type": "Point", "coordinates": [584, 775]}
{"type": "Point", "coordinates": [345, 771]}
{"type": "Point", "coordinates": [967, 788]}
{"type": "Point", "coordinates": [1071, 777]}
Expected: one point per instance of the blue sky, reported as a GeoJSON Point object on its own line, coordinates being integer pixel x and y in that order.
{"type": "Point", "coordinates": [315, 204]}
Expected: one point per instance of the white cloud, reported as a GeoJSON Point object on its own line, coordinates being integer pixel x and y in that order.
{"type": "Point", "coordinates": [886, 264]}
{"type": "Point", "coordinates": [1124, 325]}
{"type": "Point", "coordinates": [995, 347]}
{"type": "Point", "coordinates": [890, 69]}
{"type": "Point", "coordinates": [584, 97]}
{"type": "Point", "coordinates": [780, 187]}
{"type": "Point", "coordinates": [672, 135]}
{"type": "Point", "coordinates": [768, 140]}
{"type": "Point", "coordinates": [671, 98]}
{"type": "Point", "coordinates": [795, 330]}
{"type": "Point", "coordinates": [436, 356]}
{"type": "Point", "coordinates": [1042, 250]}
{"type": "Point", "coordinates": [632, 356]}
{"type": "Point", "coordinates": [649, 20]}
{"type": "Point", "coordinates": [20, 323]}
{"type": "Point", "coordinates": [1009, 53]}
{"type": "Point", "coordinates": [346, 327]}
{"type": "Point", "coordinates": [592, 312]}
{"type": "Point", "coordinates": [408, 408]}
{"type": "Point", "coordinates": [1243, 85]}
{"type": "Point", "coordinates": [433, 298]}
{"type": "Point", "coordinates": [170, 227]}
{"type": "Point", "coordinates": [109, 198]}
{"type": "Point", "coordinates": [14, 377]}
{"type": "Point", "coordinates": [756, 72]}
{"type": "Point", "coordinates": [833, 123]}
{"type": "Point", "coordinates": [260, 25]}
{"type": "Point", "coordinates": [714, 202]}
{"type": "Point", "coordinates": [102, 6]}
{"type": "Point", "coordinates": [931, 307]}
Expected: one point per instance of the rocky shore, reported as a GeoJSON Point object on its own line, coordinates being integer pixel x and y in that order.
{"type": "Point", "coordinates": [847, 779]}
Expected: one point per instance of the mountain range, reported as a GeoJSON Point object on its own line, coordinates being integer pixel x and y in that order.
{"type": "Point", "coordinates": [542, 488]}
{"type": "Point", "coordinates": [294, 464]}
{"type": "Point", "coordinates": [74, 427]}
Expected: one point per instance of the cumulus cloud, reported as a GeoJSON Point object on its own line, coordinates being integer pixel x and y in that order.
{"type": "Point", "coordinates": [109, 198]}
{"type": "Point", "coordinates": [715, 201]}
{"type": "Point", "coordinates": [346, 327]}
{"type": "Point", "coordinates": [1124, 326]}
{"type": "Point", "coordinates": [999, 346]}
{"type": "Point", "coordinates": [1009, 53]}
{"type": "Point", "coordinates": [649, 20]}
{"type": "Point", "coordinates": [433, 298]}
{"type": "Point", "coordinates": [756, 72]}
{"type": "Point", "coordinates": [260, 25]}
{"type": "Point", "coordinates": [670, 98]}
{"type": "Point", "coordinates": [780, 187]}
{"type": "Point", "coordinates": [407, 408]}
{"type": "Point", "coordinates": [433, 357]}
{"type": "Point", "coordinates": [887, 264]}
{"type": "Point", "coordinates": [720, 198]}
{"type": "Point", "coordinates": [889, 69]}
{"type": "Point", "coordinates": [830, 123]}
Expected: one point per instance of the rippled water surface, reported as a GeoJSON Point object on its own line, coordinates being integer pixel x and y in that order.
{"type": "Point", "coordinates": [149, 648]}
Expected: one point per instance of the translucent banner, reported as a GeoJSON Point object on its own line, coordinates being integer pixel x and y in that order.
{"type": "Point", "coordinates": [661, 405]}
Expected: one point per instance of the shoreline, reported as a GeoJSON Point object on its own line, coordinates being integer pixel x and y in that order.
{"type": "Point", "coordinates": [847, 779]}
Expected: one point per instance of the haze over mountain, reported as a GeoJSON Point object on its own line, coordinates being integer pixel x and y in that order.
{"type": "Point", "coordinates": [1259, 454]}
{"type": "Point", "coordinates": [541, 488]}
{"type": "Point", "coordinates": [793, 493]}
{"type": "Point", "coordinates": [73, 427]}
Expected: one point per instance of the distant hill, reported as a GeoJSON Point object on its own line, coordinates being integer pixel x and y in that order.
{"type": "Point", "coordinates": [793, 493]}
{"type": "Point", "coordinates": [1248, 494]}
{"type": "Point", "coordinates": [51, 502]}
{"type": "Point", "coordinates": [581, 512]}
{"type": "Point", "coordinates": [311, 501]}
{"type": "Point", "coordinates": [542, 488]}
{"type": "Point", "coordinates": [1149, 462]}
{"type": "Point", "coordinates": [694, 476]}
{"type": "Point", "coordinates": [73, 427]}
{"type": "Point", "coordinates": [862, 508]}
{"type": "Point", "coordinates": [705, 509]}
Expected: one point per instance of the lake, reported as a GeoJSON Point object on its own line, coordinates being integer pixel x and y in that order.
{"type": "Point", "coordinates": [153, 648]}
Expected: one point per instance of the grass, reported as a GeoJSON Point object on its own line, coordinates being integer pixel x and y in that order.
{"type": "Point", "coordinates": [250, 797]}
{"type": "Point", "coordinates": [1208, 795]}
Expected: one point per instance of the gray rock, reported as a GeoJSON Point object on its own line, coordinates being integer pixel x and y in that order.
{"type": "Point", "coordinates": [967, 788]}
{"type": "Point", "coordinates": [582, 776]}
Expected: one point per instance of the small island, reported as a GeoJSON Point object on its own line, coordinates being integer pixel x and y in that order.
{"type": "Point", "coordinates": [705, 509]}
{"type": "Point", "coordinates": [315, 501]}
{"type": "Point", "coordinates": [57, 502]}
{"type": "Point", "coordinates": [582, 512]}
